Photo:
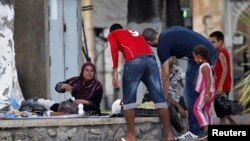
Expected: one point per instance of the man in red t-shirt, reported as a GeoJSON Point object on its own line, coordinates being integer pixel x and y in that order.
{"type": "Point", "coordinates": [140, 65]}
{"type": "Point", "coordinates": [222, 72]}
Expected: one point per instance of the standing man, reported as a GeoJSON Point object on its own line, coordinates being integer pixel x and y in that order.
{"type": "Point", "coordinates": [140, 65]}
{"type": "Point", "coordinates": [180, 41]}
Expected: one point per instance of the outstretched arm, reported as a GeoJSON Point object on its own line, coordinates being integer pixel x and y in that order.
{"type": "Point", "coordinates": [65, 86]}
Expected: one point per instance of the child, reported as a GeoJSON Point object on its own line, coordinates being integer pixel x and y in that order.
{"type": "Point", "coordinates": [175, 86]}
{"type": "Point", "coordinates": [177, 103]}
{"type": "Point", "coordinates": [222, 76]}
{"type": "Point", "coordinates": [205, 88]}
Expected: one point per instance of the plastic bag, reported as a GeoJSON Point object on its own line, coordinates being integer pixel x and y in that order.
{"type": "Point", "coordinates": [222, 105]}
{"type": "Point", "coordinates": [68, 107]}
{"type": "Point", "coordinates": [11, 102]}
{"type": "Point", "coordinates": [33, 106]}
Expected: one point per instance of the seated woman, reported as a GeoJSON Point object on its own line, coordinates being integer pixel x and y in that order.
{"type": "Point", "coordinates": [85, 89]}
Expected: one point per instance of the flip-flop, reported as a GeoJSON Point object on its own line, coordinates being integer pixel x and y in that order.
{"type": "Point", "coordinates": [122, 139]}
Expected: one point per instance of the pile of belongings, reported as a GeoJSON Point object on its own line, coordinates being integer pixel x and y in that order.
{"type": "Point", "coordinates": [28, 108]}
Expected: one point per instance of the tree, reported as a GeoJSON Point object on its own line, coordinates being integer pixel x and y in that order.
{"type": "Point", "coordinates": [243, 86]}
{"type": "Point", "coordinates": [174, 16]}
{"type": "Point", "coordinates": [9, 85]}
{"type": "Point", "coordinates": [141, 11]}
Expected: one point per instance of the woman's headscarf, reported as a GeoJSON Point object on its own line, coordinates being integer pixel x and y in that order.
{"type": "Point", "coordinates": [83, 89]}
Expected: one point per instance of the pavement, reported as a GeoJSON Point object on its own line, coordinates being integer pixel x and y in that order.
{"type": "Point", "coordinates": [243, 119]}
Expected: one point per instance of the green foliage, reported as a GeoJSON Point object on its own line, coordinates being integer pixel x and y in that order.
{"type": "Point", "coordinates": [245, 17]}
{"type": "Point", "coordinates": [244, 86]}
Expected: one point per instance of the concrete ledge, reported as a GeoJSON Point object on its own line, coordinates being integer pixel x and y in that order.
{"type": "Point", "coordinates": [76, 129]}
{"type": "Point", "coordinates": [48, 122]}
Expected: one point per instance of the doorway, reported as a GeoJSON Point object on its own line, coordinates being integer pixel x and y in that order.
{"type": "Point", "coordinates": [64, 43]}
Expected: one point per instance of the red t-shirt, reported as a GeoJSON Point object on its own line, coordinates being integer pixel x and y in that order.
{"type": "Point", "coordinates": [218, 71]}
{"type": "Point", "coordinates": [130, 43]}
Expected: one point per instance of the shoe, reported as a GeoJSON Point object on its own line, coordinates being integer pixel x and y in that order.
{"type": "Point", "coordinates": [202, 136]}
{"type": "Point", "coordinates": [187, 136]}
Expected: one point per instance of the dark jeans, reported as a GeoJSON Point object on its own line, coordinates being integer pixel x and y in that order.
{"type": "Point", "coordinates": [145, 69]}
{"type": "Point", "coordinates": [190, 96]}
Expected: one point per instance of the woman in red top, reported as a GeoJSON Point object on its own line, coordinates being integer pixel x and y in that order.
{"type": "Point", "coordinates": [222, 75]}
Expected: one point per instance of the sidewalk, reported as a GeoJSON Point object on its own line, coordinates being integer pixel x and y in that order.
{"type": "Point", "coordinates": [240, 119]}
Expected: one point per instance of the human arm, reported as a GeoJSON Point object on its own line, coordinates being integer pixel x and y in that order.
{"type": "Point", "coordinates": [165, 78]}
{"type": "Point", "coordinates": [180, 109]}
{"type": "Point", "coordinates": [115, 80]}
{"type": "Point", "coordinates": [113, 45]}
{"type": "Point", "coordinates": [82, 101]}
{"type": "Point", "coordinates": [223, 62]}
{"type": "Point", "coordinates": [114, 48]}
{"type": "Point", "coordinates": [64, 86]}
{"type": "Point", "coordinates": [206, 73]}
{"type": "Point", "coordinates": [93, 104]}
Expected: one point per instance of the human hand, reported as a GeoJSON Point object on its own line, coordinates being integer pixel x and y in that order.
{"type": "Point", "coordinates": [77, 101]}
{"type": "Point", "coordinates": [219, 90]}
{"type": "Point", "coordinates": [170, 100]}
{"type": "Point", "coordinates": [115, 80]}
{"type": "Point", "coordinates": [67, 87]}
{"type": "Point", "coordinates": [206, 98]}
{"type": "Point", "coordinates": [182, 112]}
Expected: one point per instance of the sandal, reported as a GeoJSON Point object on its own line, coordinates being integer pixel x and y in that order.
{"type": "Point", "coordinates": [122, 139]}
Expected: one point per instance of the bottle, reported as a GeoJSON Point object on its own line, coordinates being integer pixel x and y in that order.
{"type": "Point", "coordinates": [72, 98]}
{"type": "Point", "coordinates": [80, 109]}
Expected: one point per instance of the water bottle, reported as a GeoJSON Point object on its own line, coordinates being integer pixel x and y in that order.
{"type": "Point", "coordinates": [80, 109]}
{"type": "Point", "coordinates": [72, 98]}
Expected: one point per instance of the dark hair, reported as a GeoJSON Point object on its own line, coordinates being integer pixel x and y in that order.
{"type": "Point", "coordinates": [218, 35]}
{"type": "Point", "coordinates": [85, 65]}
{"type": "Point", "coordinates": [115, 26]}
{"type": "Point", "coordinates": [149, 34]}
{"type": "Point", "coordinates": [203, 52]}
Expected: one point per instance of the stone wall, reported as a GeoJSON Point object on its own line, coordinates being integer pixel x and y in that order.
{"type": "Point", "coordinates": [208, 16]}
{"type": "Point", "coordinates": [78, 129]}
